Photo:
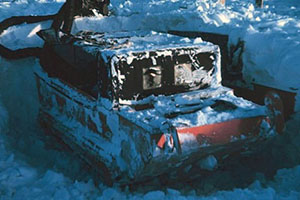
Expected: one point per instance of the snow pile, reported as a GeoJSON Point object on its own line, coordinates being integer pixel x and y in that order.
{"type": "Point", "coordinates": [271, 53]}
{"type": "Point", "coordinates": [18, 180]}
{"type": "Point", "coordinates": [24, 35]}
{"type": "Point", "coordinates": [28, 7]}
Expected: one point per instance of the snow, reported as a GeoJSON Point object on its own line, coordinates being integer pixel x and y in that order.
{"type": "Point", "coordinates": [31, 169]}
{"type": "Point", "coordinates": [208, 163]}
{"type": "Point", "coordinates": [24, 35]}
{"type": "Point", "coordinates": [164, 106]}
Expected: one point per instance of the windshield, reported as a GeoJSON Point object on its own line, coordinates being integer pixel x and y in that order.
{"type": "Point", "coordinates": [164, 75]}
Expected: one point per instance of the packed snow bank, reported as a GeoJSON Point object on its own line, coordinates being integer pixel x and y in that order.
{"type": "Point", "coordinates": [19, 180]}
{"type": "Point", "coordinates": [28, 7]}
{"type": "Point", "coordinates": [271, 55]}
{"type": "Point", "coordinates": [275, 64]}
{"type": "Point", "coordinates": [24, 35]}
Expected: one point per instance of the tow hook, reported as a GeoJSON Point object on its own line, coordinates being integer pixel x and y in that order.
{"type": "Point", "coordinates": [170, 137]}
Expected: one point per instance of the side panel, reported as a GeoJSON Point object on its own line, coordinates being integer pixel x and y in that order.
{"type": "Point", "coordinates": [121, 146]}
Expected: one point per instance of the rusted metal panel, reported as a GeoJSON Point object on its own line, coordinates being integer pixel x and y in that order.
{"type": "Point", "coordinates": [224, 132]}
{"type": "Point", "coordinates": [106, 132]}
{"type": "Point", "coordinates": [140, 137]}
{"type": "Point", "coordinates": [221, 133]}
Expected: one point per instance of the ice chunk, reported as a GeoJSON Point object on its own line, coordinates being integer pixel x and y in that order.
{"type": "Point", "coordinates": [158, 195]}
{"type": "Point", "coordinates": [208, 163]}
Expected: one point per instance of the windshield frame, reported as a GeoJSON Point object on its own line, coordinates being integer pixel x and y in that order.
{"type": "Point", "coordinates": [167, 61]}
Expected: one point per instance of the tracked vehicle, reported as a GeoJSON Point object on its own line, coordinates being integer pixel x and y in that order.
{"type": "Point", "coordinates": [136, 105]}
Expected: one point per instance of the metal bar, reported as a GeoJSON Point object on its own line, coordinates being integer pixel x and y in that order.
{"type": "Point", "coordinates": [224, 132]}
{"type": "Point", "coordinates": [259, 3]}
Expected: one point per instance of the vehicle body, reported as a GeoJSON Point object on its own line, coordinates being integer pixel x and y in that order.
{"type": "Point", "coordinates": [138, 104]}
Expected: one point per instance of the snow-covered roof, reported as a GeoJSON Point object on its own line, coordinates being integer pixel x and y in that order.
{"type": "Point", "coordinates": [118, 43]}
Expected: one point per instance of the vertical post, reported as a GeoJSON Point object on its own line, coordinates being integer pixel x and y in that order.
{"type": "Point", "coordinates": [259, 3]}
{"type": "Point", "coordinates": [222, 2]}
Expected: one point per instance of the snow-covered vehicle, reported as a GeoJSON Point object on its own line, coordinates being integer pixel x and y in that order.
{"type": "Point", "coordinates": [139, 104]}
